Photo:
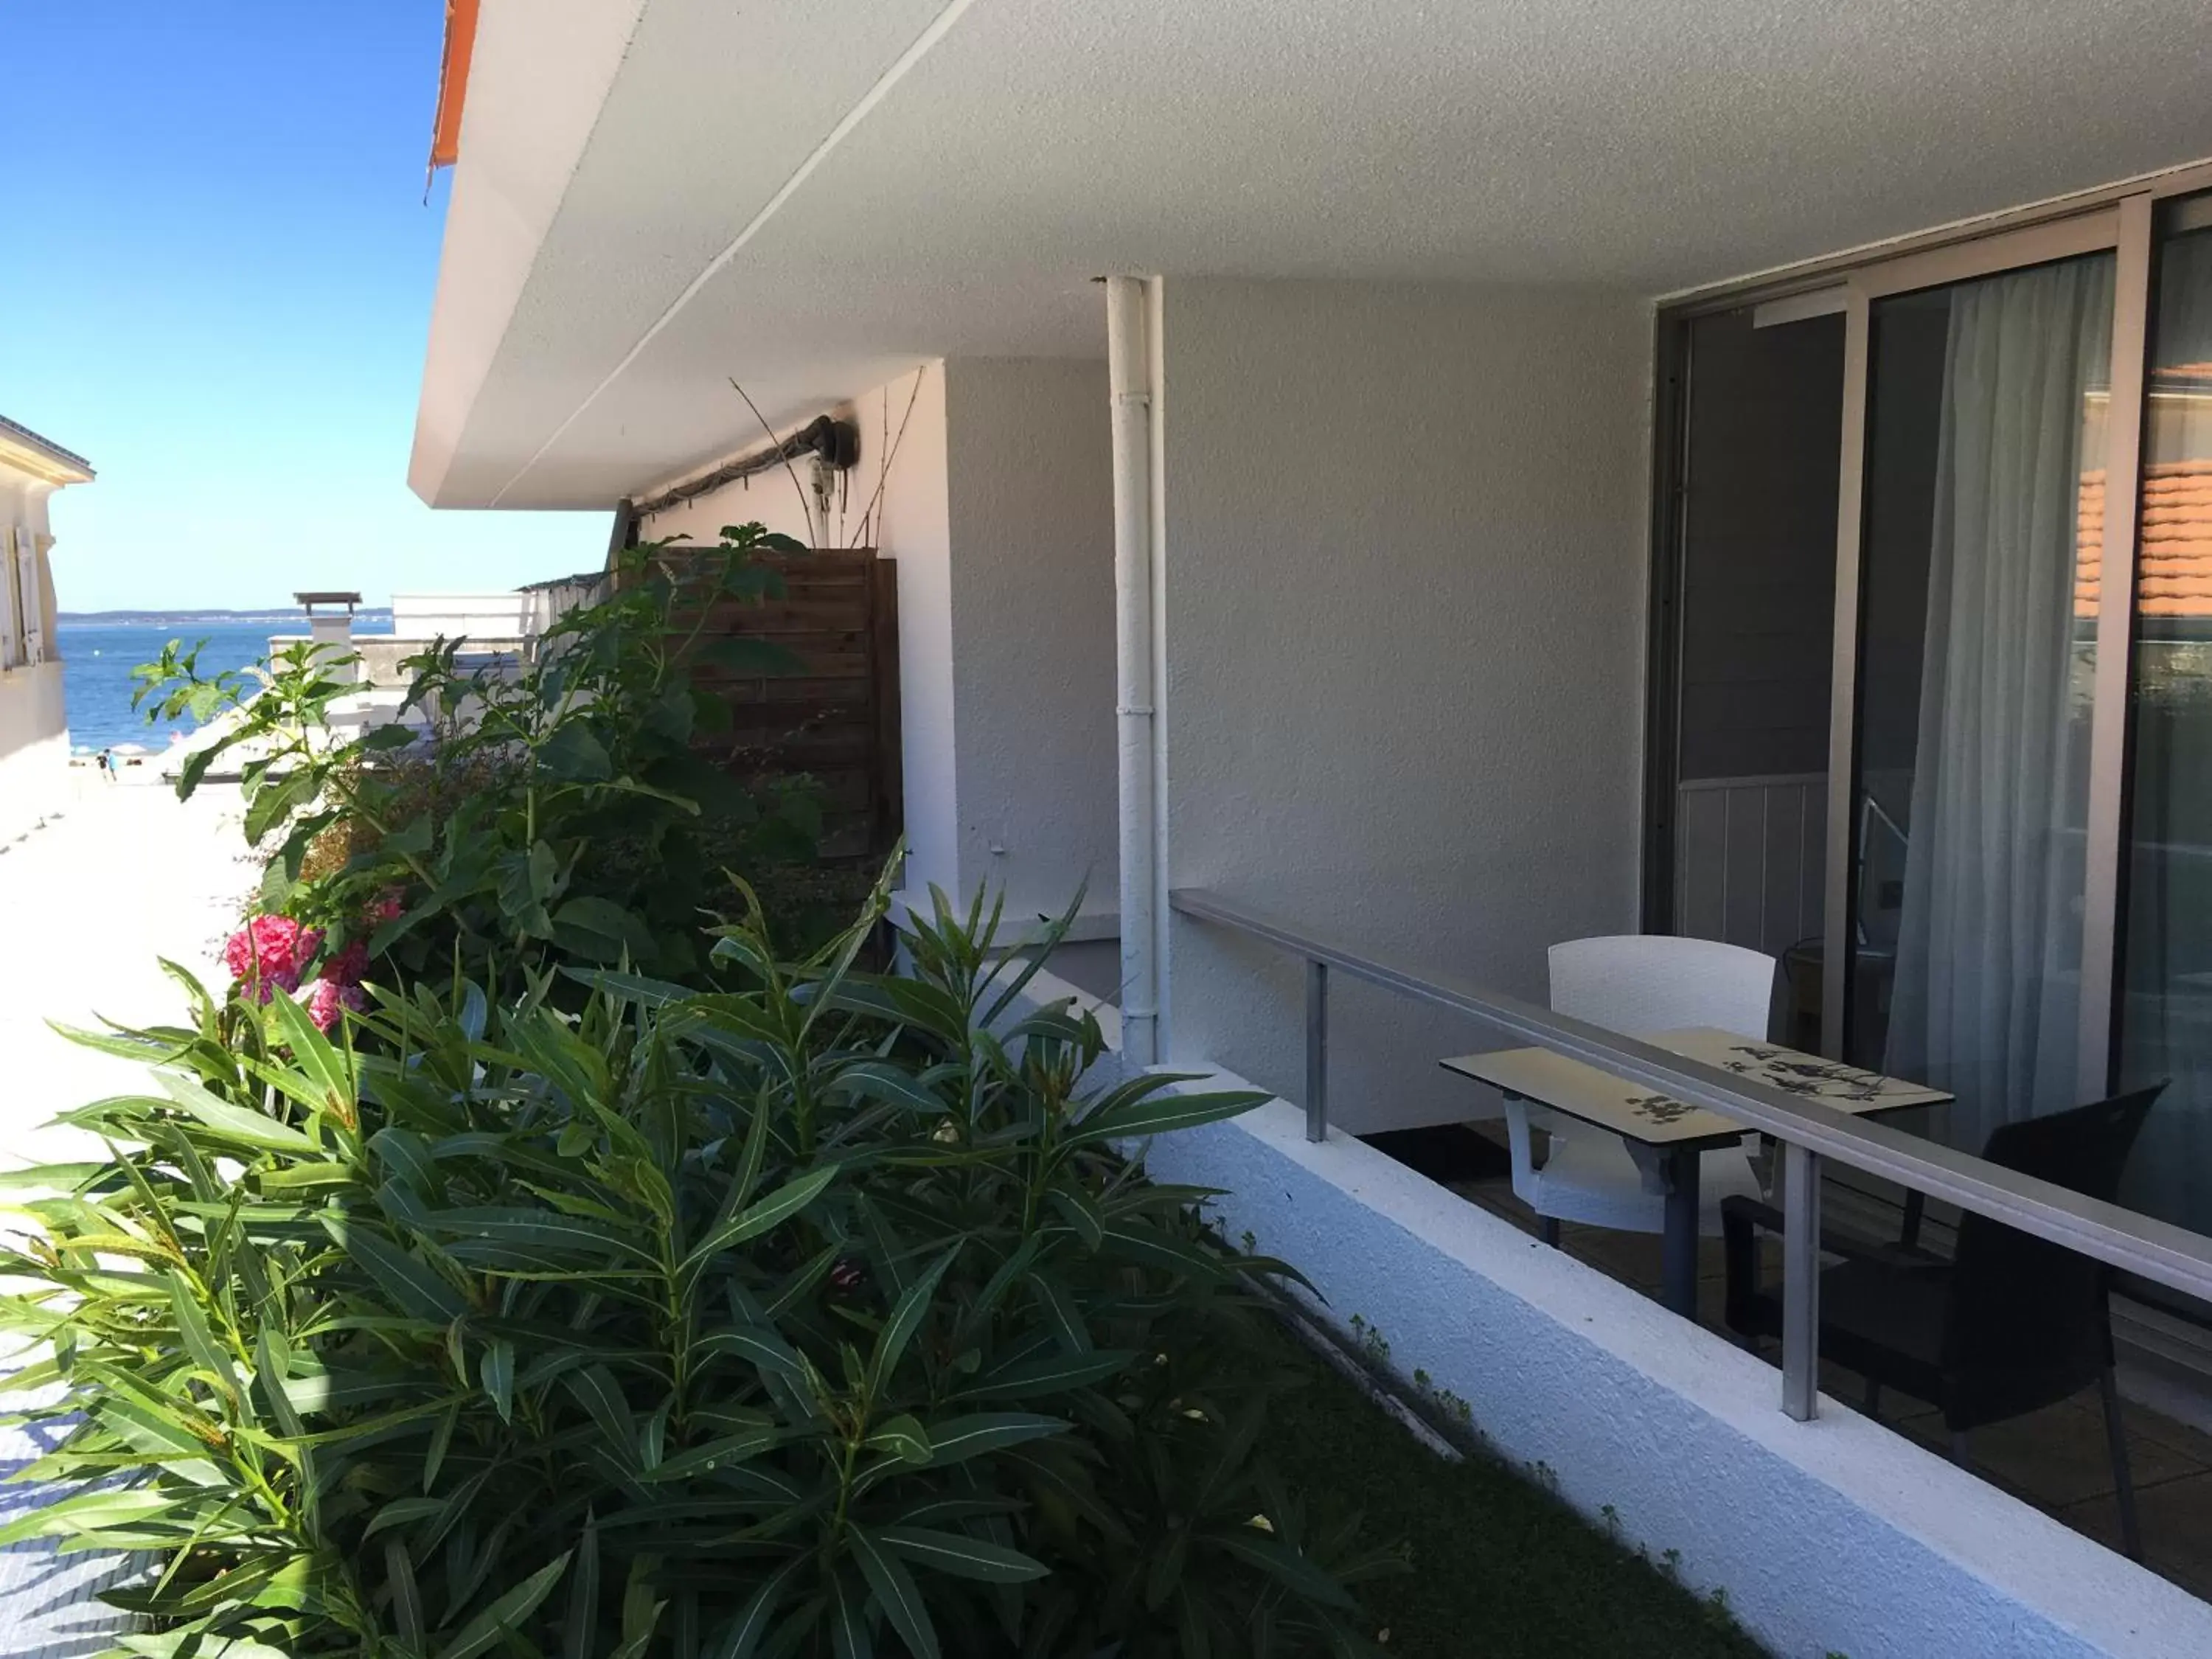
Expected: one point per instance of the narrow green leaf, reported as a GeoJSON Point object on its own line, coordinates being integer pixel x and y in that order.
{"type": "Point", "coordinates": [893, 1084]}
{"type": "Point", "coordinates": [600, 929]}
{"type": "Point", "coordinates": [199, 1338]}
{"type": "Point", "coordinates": [1056, 1374]}
{"type": "Point", "coordinates": [506, 1613]}
{"type": "Point", "coordinates": [408, 1157]}
{"type": "Point", "coordinates": [762, 1347]}
{"type": "Point", "coordinates": [441, 1441]}
{"type": "Point", "coordinates": [742, 1637]}
{"type": "Point", "coordinates": [314, 1053]}
{"type": "Point", "coordinates": [896, 1593]}
{"type": "Point", "coordinates": [88, 1511]}
{"type": "Point", "coordinates": [1288, 1566]}
{"type": "Point", "coordinates": [269, 1361]}
{"type": "Point", "coordinates": [636, 988]}
{"type": "Point", "coordinates": [1067, 1319]}
{"type": "Point", "coordinates": [600, 1394]}
{"type": "Point", "coordinates": [1076, 1208]}
{"type": "Point", "coordinates": [412, 1283]}
{"type": "Point", "coordinates": [580, 1629]}
{"type": "Point", "coordinates": [777, 1207]}
{"type": "Point", "coordinates": [233, 1124]}
{"type": "Point", "coordinates": [1132, 1242]}
{"type": "Point", "coordinates": [725, 1452]}
{"type": "Point", "coordinates": [406, 1596]}
{"type": "Point", "coordinates": [906, 1318]}
{"type": "Point", "coordinates": [903, 1436]}
{"type": "Point", "coordinates": [498, 1373]}
{"type": "Point", "coordinates": [1162, 1114]}
{"type": "Point", "coordinates": [403, 1512]}
{"type": "Point", "coordinates": [960, 1438]}
{"type": "Point", "coordinates": [961, 1556]}
{"type": "Point", "coordinates": [848, 1622]}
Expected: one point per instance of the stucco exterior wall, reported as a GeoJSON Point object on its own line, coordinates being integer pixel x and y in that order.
{"type": "Point", "coordinates": [1030, 483]}
{"type": "Point", "coordinates": [23, 502]}
{"type": "Point", "coordinates": [34, 781]}
{"type": "Point", "coordinates": [1402, 585]}
{"type": "Point", "coordinates": [999, 508]}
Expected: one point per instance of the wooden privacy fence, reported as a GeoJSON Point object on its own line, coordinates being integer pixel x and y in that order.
{"type": "Point", "coordinates": [837, 719]}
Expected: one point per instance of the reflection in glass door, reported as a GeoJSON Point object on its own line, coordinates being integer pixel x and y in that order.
{"type": "Point", "coordinates": [1985, 404]}
{"type": "Point", "coordinates": [2165, 1009]}
{"type": "Point", "coordinates": [1755, 605]}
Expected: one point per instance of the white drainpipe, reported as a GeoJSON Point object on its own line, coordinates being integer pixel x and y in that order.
{"type": "Point", "coordinates": [1128, 372]}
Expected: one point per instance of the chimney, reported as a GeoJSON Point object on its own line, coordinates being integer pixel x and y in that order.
{"type": "Point", "coordinates": [333, 627]}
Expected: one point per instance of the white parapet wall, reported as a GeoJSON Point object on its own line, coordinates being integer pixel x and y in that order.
{"type": "Point", "coordinates": [508, 614]}
{"type": "Point", "coordinates": [1834, 1537]}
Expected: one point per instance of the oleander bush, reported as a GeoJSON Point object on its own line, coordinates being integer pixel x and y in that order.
{"type": "Point", "coordinates": [515, 816]}
{"type": "Point", "coordinates": [821, 1314]}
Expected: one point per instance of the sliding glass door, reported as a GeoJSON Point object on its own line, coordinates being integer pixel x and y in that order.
{"type": "Point", "coordinates": [1993, 871]}
{"type": "Point", "coordinates": [2165, 1012]}
{"type": "Point", "coordinates": [1984, 436]}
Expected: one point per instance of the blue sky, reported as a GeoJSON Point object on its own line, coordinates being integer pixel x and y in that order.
{"type": "Point", "coordinates": [216, 285]}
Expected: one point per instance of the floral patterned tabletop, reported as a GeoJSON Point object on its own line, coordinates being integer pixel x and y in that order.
{"type": "Point", "coordinates": [1596, 1096]}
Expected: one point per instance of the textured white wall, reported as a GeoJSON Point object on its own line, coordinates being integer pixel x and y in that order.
{"type": "Point", "coordinates": [1031, 490]}
{"type": "Point", "coordinates": [999, 508]}
{"type": "Point", "coordinates": [35, 782]}
{"type": "Point", "coordinates": [1833, 1536]}
{"type": "Point", "coordinates": [1404, 577]}
{"type": "Point", "coordinates": [916, 529]}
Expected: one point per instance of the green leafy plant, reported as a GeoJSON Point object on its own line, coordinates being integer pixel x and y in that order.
{"type": "Point", "coordinates": [515, 814]}
{"type": "Point", "coordinates": [821, 1314]}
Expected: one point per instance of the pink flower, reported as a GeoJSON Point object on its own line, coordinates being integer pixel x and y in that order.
{"type": "Point", "coordinates": [347, 967]}
{"type": "Point", "coordinates": [389, 906]}
{"type": "Point", "coordinates": [269, 954]}
{"type": "Point", "coordinates": [327, 998]}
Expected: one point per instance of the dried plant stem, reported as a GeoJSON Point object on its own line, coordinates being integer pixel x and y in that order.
{"type": "Point", "coordinates": [882, 477]}
{"type": "Point", "coordinates": [805, 502]}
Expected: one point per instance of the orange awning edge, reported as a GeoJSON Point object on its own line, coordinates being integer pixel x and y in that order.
{"type": "Point", "coordinates": [453, 82]}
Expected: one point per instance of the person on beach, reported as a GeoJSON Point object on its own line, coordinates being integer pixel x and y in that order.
{"type": "Point", "coordinates": [106, 764]}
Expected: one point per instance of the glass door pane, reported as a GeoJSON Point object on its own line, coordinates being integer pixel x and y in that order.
{"type": "Point", "coordinates": [1983, 446]}
{"type": "Point", "coordinates": [1756, 616]}
{"type": "Point", "coordinates": [2164, 1006]}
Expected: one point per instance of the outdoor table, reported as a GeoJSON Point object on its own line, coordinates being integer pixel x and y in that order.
{"type": "Point", "coordinates": [1665, 1136]}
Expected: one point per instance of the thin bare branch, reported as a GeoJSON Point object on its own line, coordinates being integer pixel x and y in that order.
{"type": "Point", "coordinates": [883, 476]}
{"type": "Point", "coordinates": [805, 502]}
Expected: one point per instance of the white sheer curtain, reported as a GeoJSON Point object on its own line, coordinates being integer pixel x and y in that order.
{"type": "Point", "coordinates": [1986, 996]}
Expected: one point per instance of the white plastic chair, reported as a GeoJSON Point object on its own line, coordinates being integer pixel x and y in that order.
{"type": "Point", "coordinates": [1638, 982]}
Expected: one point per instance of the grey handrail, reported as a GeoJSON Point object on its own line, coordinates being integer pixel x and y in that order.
{"type": "Point", "coordinates": [2136, 1243]}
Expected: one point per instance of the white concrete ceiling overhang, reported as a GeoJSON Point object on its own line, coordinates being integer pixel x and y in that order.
{"type": "Point", "coordinates": [655, 196]}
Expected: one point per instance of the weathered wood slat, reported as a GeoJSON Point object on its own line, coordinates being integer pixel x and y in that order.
{"type": "Point", "coordinates": [837, 719]}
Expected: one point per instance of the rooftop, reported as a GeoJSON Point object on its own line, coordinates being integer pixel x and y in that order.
{"type": "Point", "coordinates": [2173, 579]}
{"type": "Point", "coordinates": [46, 457]}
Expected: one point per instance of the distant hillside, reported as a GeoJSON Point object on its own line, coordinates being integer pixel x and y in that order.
{"type": "Point", "coordinates": [290, 613]}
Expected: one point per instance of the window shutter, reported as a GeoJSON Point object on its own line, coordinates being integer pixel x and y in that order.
{"type": "Point", "coordinates": [11, 646]}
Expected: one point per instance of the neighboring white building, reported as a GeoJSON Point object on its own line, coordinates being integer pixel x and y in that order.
{"type": "Point", "coordinates": [1399, 578]}
{"type": "Point", "coordinates": [34, 781]}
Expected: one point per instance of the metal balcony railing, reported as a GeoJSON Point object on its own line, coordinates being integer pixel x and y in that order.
{"type": "Point", "coordinates": [1808, 1130]}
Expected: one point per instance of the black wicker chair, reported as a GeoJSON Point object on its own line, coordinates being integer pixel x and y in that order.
{"type": "Point", "coordinates": [2008, 1323]}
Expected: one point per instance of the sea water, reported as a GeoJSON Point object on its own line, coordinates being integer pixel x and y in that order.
{"type": "Point", "coordinates": [97, 659]}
